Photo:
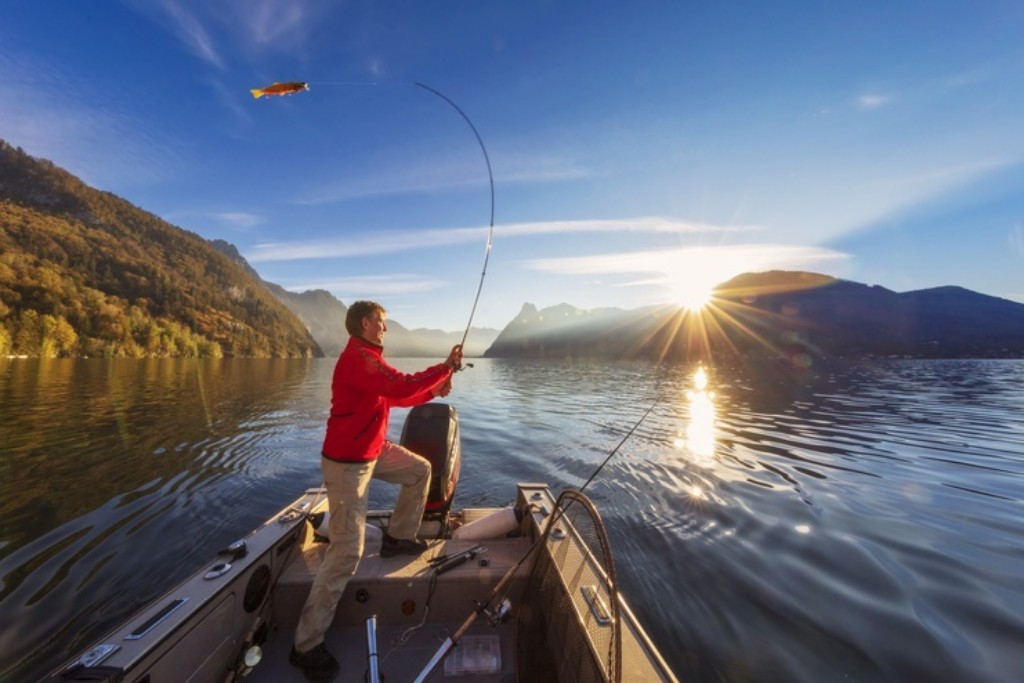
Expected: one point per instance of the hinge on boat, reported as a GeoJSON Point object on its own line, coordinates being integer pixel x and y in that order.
{"type": "Point", "coordinates": [96, 655]}
{"type": "Point", "coordinates": [596, 605]}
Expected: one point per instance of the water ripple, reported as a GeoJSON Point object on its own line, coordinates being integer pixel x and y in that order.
{"type": "Point", "coordinates": [858, 522]}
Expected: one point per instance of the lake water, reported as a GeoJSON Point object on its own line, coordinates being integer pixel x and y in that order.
{"type": "Point", "coordinates": [862, 522]}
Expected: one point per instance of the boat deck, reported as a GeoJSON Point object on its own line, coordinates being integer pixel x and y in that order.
{"type": "Point", "coordinates": [396, 591]}
{"type": "Point", "coordinates": [562, 629]}
{"type": "Point", "coordinates": [398, 664]}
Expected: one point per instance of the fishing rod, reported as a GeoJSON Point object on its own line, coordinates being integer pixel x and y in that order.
{"type": "Point", "coordinates": [503, 609]}
{"type": "Point", "coordinates": [490, 228]}
{"type": "Point", "coordinates": [284, 88]}
{"type": "Point", "coordinates": [624, 440]}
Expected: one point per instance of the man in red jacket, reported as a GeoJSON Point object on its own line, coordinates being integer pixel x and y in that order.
{"type": "Point", "coordinates": [355, 450]}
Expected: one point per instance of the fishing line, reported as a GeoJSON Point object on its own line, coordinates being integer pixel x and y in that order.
{"type": "Point", "coordinates": [490, 179]}
{"type": "Point", "coordinates": [485, 607]}
{"type": "Point", "coordinates": [624, 440]}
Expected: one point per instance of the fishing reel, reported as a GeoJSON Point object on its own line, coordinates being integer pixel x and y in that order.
{"type": "Point", "coordinates": [499, 614]}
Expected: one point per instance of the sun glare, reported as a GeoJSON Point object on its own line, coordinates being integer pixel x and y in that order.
{"type": "Point", "coordinates": [694, 300]}
{"type": "Point", "coordinates": [690, 290]}
{"type": "Point", "coordinates": [692, 297]}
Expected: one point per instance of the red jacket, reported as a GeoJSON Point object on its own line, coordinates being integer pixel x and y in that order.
{"type": "Point", "coordinates": [363, 391]}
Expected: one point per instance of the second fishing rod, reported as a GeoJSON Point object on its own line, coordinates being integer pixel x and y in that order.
{"type": "Point", "coordinates": [497, 606]}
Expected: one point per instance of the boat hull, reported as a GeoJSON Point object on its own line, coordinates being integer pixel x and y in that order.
{"type": "Point", "coordinates": [202, 629]}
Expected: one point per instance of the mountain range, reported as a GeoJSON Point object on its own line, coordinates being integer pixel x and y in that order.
{"type": "Point", "coordinates": [86, 273]}
{"type": "Point", "coordinates": [789, 315]}
{"type": "Point", "coordinates": [324, 315]}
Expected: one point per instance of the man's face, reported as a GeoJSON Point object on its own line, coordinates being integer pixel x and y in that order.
{"type": "Point", "coordinates": [374, 327]}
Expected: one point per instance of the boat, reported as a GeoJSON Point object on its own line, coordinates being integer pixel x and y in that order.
{"type": "Point", "coordinates": [521, 593]}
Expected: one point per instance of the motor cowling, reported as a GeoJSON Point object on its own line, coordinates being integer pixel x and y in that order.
{"type": "Point", "coordinates": [431, 430]}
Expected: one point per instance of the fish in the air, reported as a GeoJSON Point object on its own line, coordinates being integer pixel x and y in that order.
{"type": "Point", "coordinates": [280, 89]}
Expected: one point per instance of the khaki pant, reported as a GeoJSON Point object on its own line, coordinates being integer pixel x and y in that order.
{"type": "Point", "coordinates": [347, 487]}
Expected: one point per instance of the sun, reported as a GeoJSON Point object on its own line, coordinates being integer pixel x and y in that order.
{"type": "Point", "coordinates": [694, 299]}
{"type": "Point", "coordinates": [689, 292]}
{"type": "Point", "coordinates": [687, 277]}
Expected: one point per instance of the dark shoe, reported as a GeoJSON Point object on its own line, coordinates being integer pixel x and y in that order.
{"type": "Point", "coordinates": [390, 547]}
{"type": "Point", "coordinates": [317, 664]}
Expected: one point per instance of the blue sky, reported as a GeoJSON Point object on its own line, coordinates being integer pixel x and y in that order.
{"type": "Point", "coordinates": [639, 150]}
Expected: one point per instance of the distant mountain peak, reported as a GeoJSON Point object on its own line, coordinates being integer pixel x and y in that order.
{"type": "Point", "coordinates": [323, 314]}
{"type": "Point", "coordinates": [790, 315]}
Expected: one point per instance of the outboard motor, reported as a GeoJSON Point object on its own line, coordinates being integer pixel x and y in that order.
{"type": "Point", "coordinates": [431, 430]}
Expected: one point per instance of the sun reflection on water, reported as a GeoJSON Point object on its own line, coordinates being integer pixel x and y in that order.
{"type": "Point", "coordinates": [695, 492]}
{"type": "Point", "coordinates": [699, 439]}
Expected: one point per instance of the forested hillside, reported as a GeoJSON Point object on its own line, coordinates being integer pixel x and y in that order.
{"type": "Point", "coordinates": [86, 273]}
{"type": "Point", "coordinates": [324, 316]}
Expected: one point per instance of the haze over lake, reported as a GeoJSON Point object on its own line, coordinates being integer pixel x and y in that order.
{"type": "Point", "coordinates": [854, 522]}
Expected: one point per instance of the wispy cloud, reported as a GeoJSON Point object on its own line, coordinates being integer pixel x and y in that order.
{"type": "Point", "coordinates": [363, 245]}
{"type": "Point", "coordinates": [371, 285]}
{"type": "Point", "coordinates": [893, 196]}
{"type": "Point", "coordinates": [232, 219]}
{"type": "Point", "coordinates": [967, 78]}
{"type": "Point", "coordinates": [420, 173]}
{"type": "Point", "coordinates": [1016, 239]}
{"type": "Point", "coordinates": [238, 218]}
{"type": "Point", "coordinates": [49, 111]}
{"type": "Point", "coordinates": [543, 168]}
{"type": "Point", "coordinates": [650, 224]}
{"type": "Point", "coordinates": [228, 98]}
{"type": "Point", "coordinates": [421, 179]}
{"type": "Point", "coordinates": [935, 181]}
{"type": "Point", "coordinates": [209, 31]}
{"type": "Point", "coordinates": [190, 31]}
{"type": "Point", "coordinates": [369, 244]}
{"type": "Point", "coordinates": [271, 23]}
{"type": "Point", "coordinates": [873, 101]}
{"type": "Point", "coordinates": [709, 264]}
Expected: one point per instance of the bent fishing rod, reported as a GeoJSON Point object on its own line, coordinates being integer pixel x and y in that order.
{"type": "Point", "coordinates": [485, 607]}
{"type": "Point", "coordinates": [297, 86]}
{"type": "Point", "coordinates": [490, 178]}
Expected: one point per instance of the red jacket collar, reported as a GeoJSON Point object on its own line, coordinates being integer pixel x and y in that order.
{"type": "Point", "coordinates": [353, 339]}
